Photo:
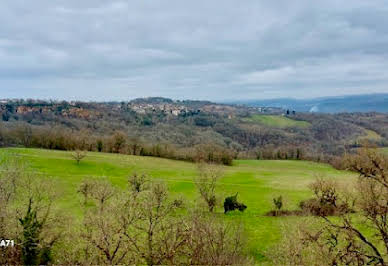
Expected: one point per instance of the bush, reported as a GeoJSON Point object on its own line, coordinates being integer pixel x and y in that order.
{"type": "Point", "coordinates": [326, 201]}
{"type": "Point", "coordinates": [317, 208]}
{"type": "Point", "coordinates": [206, 183]}
{"type": "Point", "coordinates": [231, 204]}
{"type": "Point", "coordinates": [278, 202]}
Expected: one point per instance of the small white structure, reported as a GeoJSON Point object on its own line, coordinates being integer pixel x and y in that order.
{"type": "Point", "coordinates": [175, 112]}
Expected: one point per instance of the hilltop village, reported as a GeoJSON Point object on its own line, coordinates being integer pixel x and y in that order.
{"type": "Point", "coordinates": [88, 110]}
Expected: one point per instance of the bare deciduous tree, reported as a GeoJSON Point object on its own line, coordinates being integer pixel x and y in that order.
{"type": "Point", "coordinates": [105, 225]}
{"type": "Point", "coordinates": [119, 140]}
{"type": "Point", "coordinates": [10, 176]}
{"type": "Point", "coordinates": [78, 155]}
{"type": "Point", "coordinates": [26, 215]}
{"type": "Point", "coordinates": [143, 225]}
{"type": "Point", "coordinates": [102, 191]}
{"type": "Point", "coordinates": [86, 189]}
{"type": "Point", "coordinates": [213, 242]}
{"type": "Point", "coordinates": [206, 183]}
{"type": "Point", "coordinates": [343, 240]}
{"type": "Point", "coordinates": [138, 183]}
{"type": "Point", "coordinates": [158, 237]}
{"type": "Point", "coordinates": [105, 230]}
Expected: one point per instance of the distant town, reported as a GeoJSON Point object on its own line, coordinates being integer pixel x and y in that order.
{"type": "Point", "coordinates": [139, 106]}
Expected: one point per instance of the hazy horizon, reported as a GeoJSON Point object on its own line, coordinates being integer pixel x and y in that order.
{"type": "Point", "coordinates": [119, 50]}
{"type": "Point", "coordinates": [231, 101]}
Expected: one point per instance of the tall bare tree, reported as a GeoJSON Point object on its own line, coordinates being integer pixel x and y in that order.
{"type": "Point", "coordinates": [157, 237]}
{"type": "Point", "coordinates": [105, 224]}
{"type": "Point", "coordinates": [213, 242]}
{"type": "Point", "coordinates": [206, 183]}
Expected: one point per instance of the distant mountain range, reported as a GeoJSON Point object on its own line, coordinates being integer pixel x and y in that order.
{"type": "Point", "coordinates": [351, 103]}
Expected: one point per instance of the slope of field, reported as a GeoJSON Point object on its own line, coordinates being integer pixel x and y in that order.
{"type": "Point", "coordinates": [370, 135]}
{"type": "Point", "coordinates": [277, 121]}
{"type": "Point", "coordinates": [257, 183]}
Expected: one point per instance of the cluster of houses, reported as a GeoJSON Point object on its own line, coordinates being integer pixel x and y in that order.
{"type": "Point", "coordinates": [68, 112]}
{"type": "Point", "coordinates": [166, 108]}
{"type": "Point", "coordinates": [69, 109]}
{"type": "Point", "coordinates": [169, 108]}
{"type": "Point", "coordinates": [269, 110]}
{"type": "Point", "coordinates": [27, 109]}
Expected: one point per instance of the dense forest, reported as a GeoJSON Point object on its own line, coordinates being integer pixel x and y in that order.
{"type": "Point", "coordinates": [187, 130]}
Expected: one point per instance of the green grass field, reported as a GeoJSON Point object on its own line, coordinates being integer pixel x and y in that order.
{"type": "Point", "coordinates": [384, 150]}
{"type": "Point", "coordinates": [277, 121]}
{"type": "Point", "coordinates": [257, 183]}
{"type": "Point", "coordinates": [370, 135]}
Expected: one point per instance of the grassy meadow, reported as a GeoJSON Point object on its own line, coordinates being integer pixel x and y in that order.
{"type": "Point", "coordinates": [277, 121]}
{"type": "Point", "coordinates": [369, 135]}
{"type": "Point", "coordinates": [384, 150]}
{"type": "Point", "coordinates": [257, 183]}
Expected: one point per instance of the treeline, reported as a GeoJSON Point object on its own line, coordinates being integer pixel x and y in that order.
{"type": "Point", "coordinates": [209, 137]}
{"type": "Point", "coordinates": [157, 133]}
{"type": "Point", "coordinates": [60, 138]}
{"type": "Point", "coordinates": [230, 130]}
{"type": "Point", "coordinates": [292, 152]}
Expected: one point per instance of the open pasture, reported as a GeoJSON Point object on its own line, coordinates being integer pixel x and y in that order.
{"type": "Point", "coordinates": [257, 182]}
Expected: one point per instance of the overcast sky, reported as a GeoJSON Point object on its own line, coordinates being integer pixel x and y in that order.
{"type": "Point", "coordinates": [200, 49]}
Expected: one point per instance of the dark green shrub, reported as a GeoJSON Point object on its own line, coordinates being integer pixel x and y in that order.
{"type": "Point", "coordinates": [231, 204]}
{"type": "Point", "coordinates": [278, 202]}
{"type": "Point", "coordinates": [32, 251]}
{"type": "Point", "coordinates": [99, 145]}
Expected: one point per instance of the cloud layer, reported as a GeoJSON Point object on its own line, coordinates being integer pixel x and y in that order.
{"type": "Point", "coordinates": [217, 50]}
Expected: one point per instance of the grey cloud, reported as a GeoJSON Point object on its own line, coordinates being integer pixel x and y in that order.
{"type": "Point", "coordinates": [116, 50]}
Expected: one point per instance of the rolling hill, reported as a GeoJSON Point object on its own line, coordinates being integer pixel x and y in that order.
{"type": "Point", "coordinates": [351, 103]}
{"type": "Point", "coordinates": [256, 181]}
